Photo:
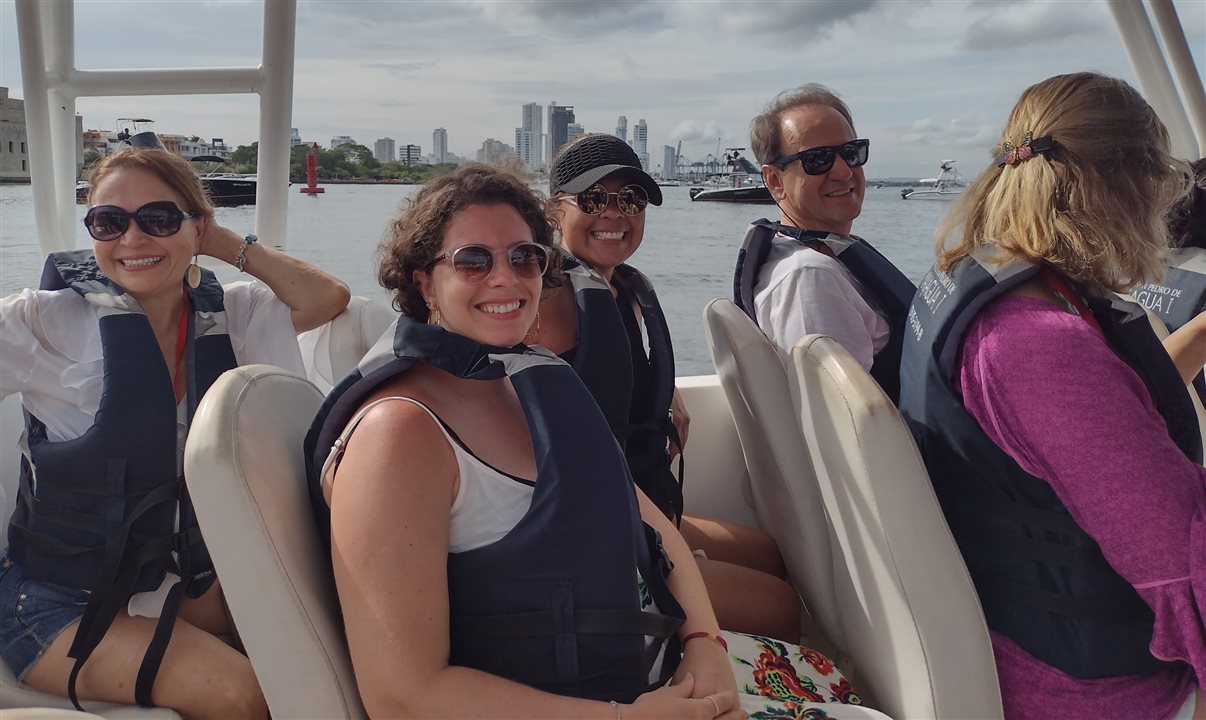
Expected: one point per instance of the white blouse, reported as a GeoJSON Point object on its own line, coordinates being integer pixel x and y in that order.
{"type": "Point", "coordinates": [50, 349]}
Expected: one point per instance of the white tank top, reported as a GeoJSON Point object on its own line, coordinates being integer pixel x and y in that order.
{"type": "Point", "coordinates": [488, 504]}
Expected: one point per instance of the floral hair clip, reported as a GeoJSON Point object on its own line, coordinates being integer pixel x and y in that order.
{"type": "Point", "coordinates": [1011, 155]}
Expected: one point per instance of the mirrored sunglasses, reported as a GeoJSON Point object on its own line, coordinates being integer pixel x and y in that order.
{"type": "Point", "coordinates": [474, 263]}
{"type": "Point", "coordinates": [157, 219]}
{"type": "Point", "coordinates": [631, 199]}
{"type": "Point", "coordinates": [819, 160]}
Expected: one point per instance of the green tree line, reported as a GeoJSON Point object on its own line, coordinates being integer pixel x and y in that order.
{"type": "Point", "coordinates": [345, 162]}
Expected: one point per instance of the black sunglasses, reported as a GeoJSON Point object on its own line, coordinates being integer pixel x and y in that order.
{"type": "Point", "coordinates": [474, 263]}
{"type": "Point", "coordinates": [631, 199]}
{"type": "Point", "coordinates": [158, 219]}
{"type": "Point", "coordinates": [819, 160]}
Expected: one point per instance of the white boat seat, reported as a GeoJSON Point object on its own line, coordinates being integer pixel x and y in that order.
{"type": "Point", "coordinates": [333, 350]}
{"type": "Point", "coordinates": [782, 484]}
{"type": "Point", "coordinates": [906, 607]}
{"type": "Point", "coordinates": [244, 467]}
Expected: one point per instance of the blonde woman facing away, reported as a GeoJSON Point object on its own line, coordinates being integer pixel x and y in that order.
{"type": "Point", "coordinates": [1057, 429]}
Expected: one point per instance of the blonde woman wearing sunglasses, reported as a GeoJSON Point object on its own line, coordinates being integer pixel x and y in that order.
{"type": "Point", "coordinates": [111, 359]}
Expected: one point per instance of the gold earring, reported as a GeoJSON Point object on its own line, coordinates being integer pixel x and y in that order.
{"type": "Point", "coordinates": [194, 273]}
{"type": "Point", "coordinates": [433, 316]}
{"type": "Point", "coordinates": [534, 331]}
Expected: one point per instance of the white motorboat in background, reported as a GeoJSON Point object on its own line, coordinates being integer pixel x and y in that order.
{"type": "Point", "coordinates": [948, 184]}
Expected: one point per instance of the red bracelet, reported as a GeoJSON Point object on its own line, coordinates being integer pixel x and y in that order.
{"type": "Point", "coordinates": [709, 635]}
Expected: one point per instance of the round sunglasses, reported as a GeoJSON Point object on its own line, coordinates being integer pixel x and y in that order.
{"type": "Point", "coordinates": [474, 263]}
{"type": "Point", "coordinates": [819, 160]}
{"type": "Point", "coordinates": [157, 219]}
{"type": "Point", "coordinates": [631, 199]}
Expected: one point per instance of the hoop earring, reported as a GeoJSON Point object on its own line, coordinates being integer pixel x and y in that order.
{"type": "Point", "coordinates": [194, 272]}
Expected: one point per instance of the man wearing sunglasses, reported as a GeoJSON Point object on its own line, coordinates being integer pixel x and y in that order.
{"type": "Point", "coordinates": [805, 273]}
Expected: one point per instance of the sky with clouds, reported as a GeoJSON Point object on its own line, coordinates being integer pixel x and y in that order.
{"type": "Point", "coordinates": [926, 80]}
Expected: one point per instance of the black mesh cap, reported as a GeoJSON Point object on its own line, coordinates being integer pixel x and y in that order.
{"type": "Point", "coordinates": [590, 158]}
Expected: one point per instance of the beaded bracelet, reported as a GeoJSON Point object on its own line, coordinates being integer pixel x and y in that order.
{"type": "Point", "coordinates": [709, 635]}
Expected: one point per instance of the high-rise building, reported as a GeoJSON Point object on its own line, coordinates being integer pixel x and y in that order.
{"type": "Point", "coordinates": [669, 162]}
{"type": "Point", "coordinates": [640, 142]}
{"type": "Point", "coordinates": [410, 154]}
{"type": "Point", "coordinates": [494, 152]}
{"type": "Point", "coordinates": [574, 130]}
{"type": "Point", "coordinates": [294, 138]}
{"type": "Point", "coordinates": [342, 140]}
{"type": "Point", "coordinates": [529, 137]}
{"type": "Point", "coordinates": [439, 146]}
{"type": "Point", "coordinates": [383, 150]}
{"type": "Point", "coordinates": [560, 117]}
{"type": "Point", "coordinates": [622, 128]}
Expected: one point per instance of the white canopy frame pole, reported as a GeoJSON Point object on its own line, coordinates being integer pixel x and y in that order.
{"type": "Point", "coordinates": [52, 84]}
{"type": "Point", "coordinates": [1181, 59]}
{"type": "Point", "coordinates": [1154, 78]}
{"type": "Point", "coordinates": [51, 237]}
{"type": "Point", "coordinates": [58, 40]}
{"type": "Point", "coordinates": [276, 115]}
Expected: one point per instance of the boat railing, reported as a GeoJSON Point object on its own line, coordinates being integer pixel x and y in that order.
{"type": "Point", "coordinates": [1152, 69]}
{"type": "Point", "coordinates": [52, 83]}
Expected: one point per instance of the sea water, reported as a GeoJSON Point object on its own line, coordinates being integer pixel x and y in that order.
{"type": "Point", "coordinates": [688, 252]}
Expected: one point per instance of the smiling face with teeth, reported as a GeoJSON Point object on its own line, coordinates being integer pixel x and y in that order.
{"type": "Point", "coordinates": [498, 310]}
{"type": "Point", "coordinates": [606, 240]}
{"type": "Point", "coordinates": [829, 202]}
{"type": "Point", "coordinates": [150, 268]}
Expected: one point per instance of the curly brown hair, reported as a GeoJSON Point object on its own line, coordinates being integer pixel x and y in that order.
{"type": "Point", "coordinates": [414, 238]}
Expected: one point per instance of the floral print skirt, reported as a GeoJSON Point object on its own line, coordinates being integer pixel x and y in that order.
{"type": "Point", "coordinates": [780, 681]}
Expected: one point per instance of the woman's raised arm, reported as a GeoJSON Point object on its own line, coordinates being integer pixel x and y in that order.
{"type": "Point", "coordinates": [314, 295]}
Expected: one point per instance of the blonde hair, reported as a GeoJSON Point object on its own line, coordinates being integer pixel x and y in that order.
{"type": "Point", "coordinates": [1092, 207]}
{"type": "Point", "coordinates": [172, 169]}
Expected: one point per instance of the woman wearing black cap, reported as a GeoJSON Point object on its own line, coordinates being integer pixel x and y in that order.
{"type": "Point", "coordinates": [598, 197]}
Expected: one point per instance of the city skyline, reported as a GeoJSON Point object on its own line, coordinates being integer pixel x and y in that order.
{"type": "Point", "coordinates": [925, 80]}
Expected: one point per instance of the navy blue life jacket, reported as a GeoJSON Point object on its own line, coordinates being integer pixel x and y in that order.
{"type": "Point", "coordinates": [610, 346]}
{"type": "Point", "coordinates": [1041, 579]}
{"type": "Point", "coordinates": [1182, 295]}
{"type": "Point", "coordinates": [892, 291]}
{"type": "Point", "coordinates": [99, 512]}
{"type": "Point", "coordinates": [554, 603]}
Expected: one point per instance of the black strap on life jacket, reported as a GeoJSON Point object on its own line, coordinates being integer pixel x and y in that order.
{"type": "Point", "coordinates": [1041, 579]}
{"type": "Point", "coordinates": [651, 428]}
{"type": "Point", "coordinates": [102, 516]}
{"type": "Point", "coordinates": [601, 335]}
{"type": "Point", "coordinates": [552, 603]}
{"type": "Point", "coordinates": [891, 292]}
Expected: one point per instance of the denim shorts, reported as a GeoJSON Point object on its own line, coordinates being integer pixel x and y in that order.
{"type": "Point", "coordinates": [32, 614]}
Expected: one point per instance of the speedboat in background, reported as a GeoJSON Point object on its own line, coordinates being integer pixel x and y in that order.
{"type": "Point", "coordinates": [949, 184]}
{"type": "Point", "coordinates": [740, 182]}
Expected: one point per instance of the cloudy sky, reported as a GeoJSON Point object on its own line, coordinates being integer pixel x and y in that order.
{"type": "Point", "coordinates": [926, 80]}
